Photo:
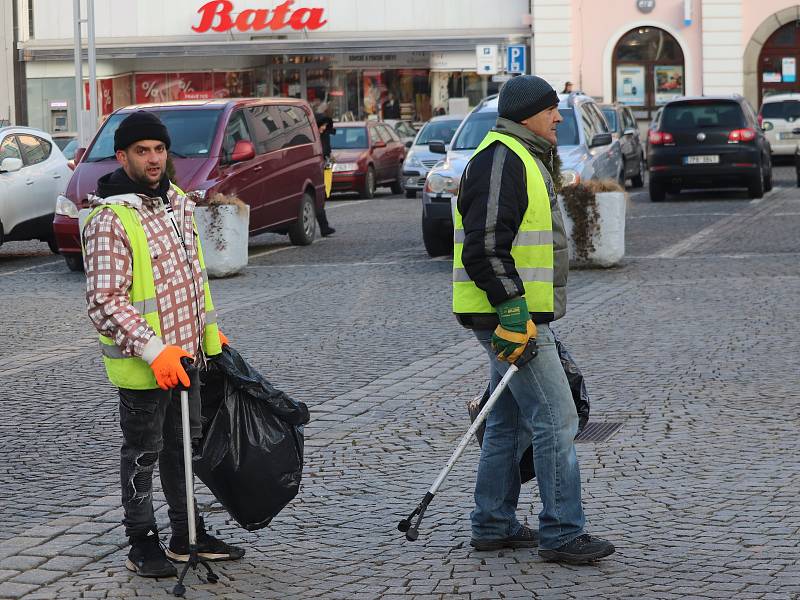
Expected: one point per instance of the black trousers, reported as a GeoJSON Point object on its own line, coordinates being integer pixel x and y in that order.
{"type": "Point", "coordinates": [151, 430]}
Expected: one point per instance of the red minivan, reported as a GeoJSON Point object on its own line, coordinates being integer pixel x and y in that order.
{"type": "Point", "coordinates": [265, 151]}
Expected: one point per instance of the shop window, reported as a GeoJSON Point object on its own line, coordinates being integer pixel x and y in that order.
{"type": "Point", "coordinates": [778, 62]}
{"type": "Point", "coordinates": [648, 68]}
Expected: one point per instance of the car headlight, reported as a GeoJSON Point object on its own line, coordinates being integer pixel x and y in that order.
{"type": "Point", "coordinates": [413, 162]}
{"type": "Point", "coordinates": [66, 207]}
{"type": "Point", "coordinates": [438, 184]}
{"type": "Point", "coordinates": [339, 167]}
{"type": "Point", "coordinates": [766, 126]}
{"type": "Point", "coordinates": [570, 177]}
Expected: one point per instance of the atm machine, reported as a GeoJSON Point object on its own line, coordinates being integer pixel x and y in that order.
{"type": "Point", "coordinates": [59, 116]}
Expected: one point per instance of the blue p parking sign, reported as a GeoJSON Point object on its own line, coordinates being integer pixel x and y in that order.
{"type": "Point", "coordinates": [516, 59]}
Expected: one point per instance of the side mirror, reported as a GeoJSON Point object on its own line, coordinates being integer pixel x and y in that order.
{"type": "Point", "coordinates": [10, 165]}
{"type": "Point", "coordinates": [409, 143]}
{"type": "Point", "coordinates": [437, 147]}
{"type": "Point", "coordinates": [629, 131]}
{"type": "Point", "coordinates": [243, 150]}
{"type": "Point", "coordinates": [379, 144]}
{"type": "Point", "coordinates": [601, 139]}
{"type": "Point", "coordinates": [78, 155]}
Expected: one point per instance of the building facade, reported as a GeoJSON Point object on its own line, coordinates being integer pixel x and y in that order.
{"type": "Point", "coordinates": [7, 95]}
{"type": "Point", "coordinates": [348, 57]}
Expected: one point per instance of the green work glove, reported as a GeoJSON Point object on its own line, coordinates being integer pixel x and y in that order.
{"type": "Point", "coordinates": [516, 328]}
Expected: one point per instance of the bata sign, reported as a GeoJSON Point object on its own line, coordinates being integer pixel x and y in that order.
{"type": "Point", "coordinates": [219, 15]}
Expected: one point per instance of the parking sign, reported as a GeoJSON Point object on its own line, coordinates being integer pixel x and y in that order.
{"type": "Point", "coordinates": [516, 59]}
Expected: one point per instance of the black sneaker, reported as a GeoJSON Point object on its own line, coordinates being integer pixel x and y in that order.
{"type": "Point", "coordinates": [524, 538]}
{"type": "Point", "coordinates": [147, 559]}
{"type": "Point", "coordinates": [583, 549]}
{"type": "Point", "coordinates": [326, 231]}
{"type": "Point", "coordinates": [208, 548]}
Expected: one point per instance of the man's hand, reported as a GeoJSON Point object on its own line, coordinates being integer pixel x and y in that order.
{"type": "Point", "coordinates": [223, 339]}
{"type": "Point", "coordinates": [168, 369]}
{"type": "Point", "coordinates": [515, 330]}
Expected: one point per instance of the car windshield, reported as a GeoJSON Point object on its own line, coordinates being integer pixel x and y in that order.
{"type": "Point", "coordinates": [346, 138]}
{"type": "Point", "coordinates": [438, 130]}
{"type": "Point", "coordinates": [191, 133]}
{"type": "Point", "coordinates": [611, 116]}
{"type": "Point", "coordinates": [478, 125]}
{"type": "Point", "coordinates": [786, 109]}
{"type": "Point", "coordinates": [698, 115]}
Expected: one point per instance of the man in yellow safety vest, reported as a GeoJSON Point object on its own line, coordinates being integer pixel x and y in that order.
{"type": "Point", "coordinates": [510, 267]}
{"type": "Point", "coordinates": [148, 297]}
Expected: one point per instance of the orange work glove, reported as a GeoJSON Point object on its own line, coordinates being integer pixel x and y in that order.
{"type": "Point", "coordinates": [223, 339]}
{"type": "Point", "coordinates": [168, 369]}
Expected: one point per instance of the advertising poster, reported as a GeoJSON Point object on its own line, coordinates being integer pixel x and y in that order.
{"type": "Point", "coordinates": [789, 69]}
{"type": "Point", "coordinates": [630, 84]}
{"type": "Point", "coordinates": [668, 82]}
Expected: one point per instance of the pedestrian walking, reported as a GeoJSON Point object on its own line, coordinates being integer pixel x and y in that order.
{"type": "Point", "coordinates": [326, 130]}
{"type": "Point", "coordinates": [567, 88]}
{"type": "Point", "coordinates": [149, 299]}
{"type": "Point", "coordinates": [510, 269]}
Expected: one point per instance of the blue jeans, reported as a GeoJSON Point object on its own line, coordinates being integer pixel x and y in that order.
{"type": "Point", "coordinates": [537, 405]}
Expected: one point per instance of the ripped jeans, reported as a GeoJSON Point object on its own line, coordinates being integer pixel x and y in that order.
{"type": "Point", "coordinates": [151, 429]}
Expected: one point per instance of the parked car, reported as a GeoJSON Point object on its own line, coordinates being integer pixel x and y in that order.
{"type": "Point", "coordinates": [780, 119]}
{"type": "Point", "coordinates": [420, 159]}
{"type": "Point", "coordinates": [404, 129]}
{"type": "Point", "coordinates": [623, 127]}
{"type": "Point", "coordinates": [33, 172]}
{"type": "Point", "coordinates": [366, 154]}
{"type": "Point", "coordinates": [67, 143]}
{"type": "Point", "coordinates": [708, 141]}
{"type": "Point", "coordinates": [585, 146]}
{"type": "Point", "coordinates": [266, 151]}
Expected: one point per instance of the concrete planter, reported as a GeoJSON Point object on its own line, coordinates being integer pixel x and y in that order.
{"type": "Point", "coordinates": [609, 238]}
{"type": "Point", "coordinates": [223, 230]}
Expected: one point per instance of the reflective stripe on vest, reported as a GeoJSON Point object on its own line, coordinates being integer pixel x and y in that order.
{"type": "Point", "coordinates": [133, 372]}
{"type": "Point", "coordinates": [532, 248]}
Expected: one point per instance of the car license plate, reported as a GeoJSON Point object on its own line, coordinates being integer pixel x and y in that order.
{"type": "Point", "coordinates": [789, 136]}
{"type": "Point", "coordinates": [702, 159]}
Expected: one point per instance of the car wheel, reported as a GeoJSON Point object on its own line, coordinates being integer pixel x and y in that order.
{"type": "Point", "coordinates": [658, 193]}
{"type": "Point", "coordinates": [436, 243]}
{"type": "Point", "coordinates": [397, 184]}
{"type": "Point", "coordinates": [74, 262]}
{"type": "Point", "coordinates": [755, 187]}
{"type": "Point", "coordinates": [301, 232]}
{"type": "Point", "coordinates": [411, 193]}
{"type": "Point", "coordinates": [368, 190]}
{"type": "Point", "coordinates": [53, 245]}
{"type": "Point", "coordinates": [637, 180]}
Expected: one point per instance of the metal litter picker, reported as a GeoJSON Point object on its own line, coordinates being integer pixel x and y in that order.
{"type": "Point", "coordinates": [194, 559]}
{"type": "Point", "coordinates": [412, 532]}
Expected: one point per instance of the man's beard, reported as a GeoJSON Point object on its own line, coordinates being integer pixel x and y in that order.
{"type": "Point", "coordinates": [142, 179]}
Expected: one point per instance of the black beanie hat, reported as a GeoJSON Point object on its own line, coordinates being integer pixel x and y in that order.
{"type": "Point", "coordinates": [141, 125]}
{"type": "Point", "coordinates": [524, 96]}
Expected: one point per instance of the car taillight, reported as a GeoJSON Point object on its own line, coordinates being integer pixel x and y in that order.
{"type": "Point", "coordinates": [661, 137]}
{"type": "Point", "coordinates": [741, 135]}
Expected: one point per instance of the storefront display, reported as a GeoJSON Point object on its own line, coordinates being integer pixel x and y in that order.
{"type": "Point", "coordinates": [668, 82]}
{"type": "Point", "coordinates": [630, 84]}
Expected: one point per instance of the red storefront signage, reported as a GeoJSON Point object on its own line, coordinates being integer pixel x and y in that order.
{"type": "Point", "coordinates": [164, 87]}
{"type": "Point", "coordinates": [218, 15]}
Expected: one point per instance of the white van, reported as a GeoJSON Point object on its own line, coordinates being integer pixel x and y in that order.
{"type": "Point", "coordinates": [780, 119]}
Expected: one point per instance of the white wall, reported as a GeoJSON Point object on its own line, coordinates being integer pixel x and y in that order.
{"type": "Point", "coordinates": [175, 18]}
{"type": "Point", "coordinates": [722, 47]}
{"type": "Point", "coordinates": [7, 105]}
{"type": "Point", "coordinates": [552, 42]}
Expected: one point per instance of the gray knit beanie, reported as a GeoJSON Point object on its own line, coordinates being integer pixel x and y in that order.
{"type": "Point", "coordinates": [524, 96]}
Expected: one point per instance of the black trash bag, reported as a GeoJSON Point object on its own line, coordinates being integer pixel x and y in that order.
{"type": "Point", "coordinates": [580, 396]}
{"type": "Point", "coordinates": [251, 453]}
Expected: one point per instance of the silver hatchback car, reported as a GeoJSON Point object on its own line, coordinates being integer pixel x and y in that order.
{"type": "Point", "coordinates": [420, 159]}
{"type": "Point", "coordinates": [585, 145]}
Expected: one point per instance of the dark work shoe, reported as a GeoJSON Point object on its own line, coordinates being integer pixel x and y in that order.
{"type": "Point", "coordinates": [147, 559]}
{"type": "Point", "coordinates": [326, 231]}
{"type": "Point", "coordinates": [208, 548]}
{"type": "Point", "coordinates": [583, 549]}
{"type": "Point", "coordinates": [524, 538]}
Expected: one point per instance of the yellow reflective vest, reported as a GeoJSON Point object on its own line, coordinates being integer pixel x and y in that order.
{"type": "Point", "coordinates": [532, 248]}
{"type": "Point", "coordinates": [132, 372]}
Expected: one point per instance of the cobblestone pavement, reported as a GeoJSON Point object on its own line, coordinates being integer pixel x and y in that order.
{"type": "Point", "coordinates": [691, 344]}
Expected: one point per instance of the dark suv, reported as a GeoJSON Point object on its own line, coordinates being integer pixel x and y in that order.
{"type": "Point", "coordinates": [708, 142]}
